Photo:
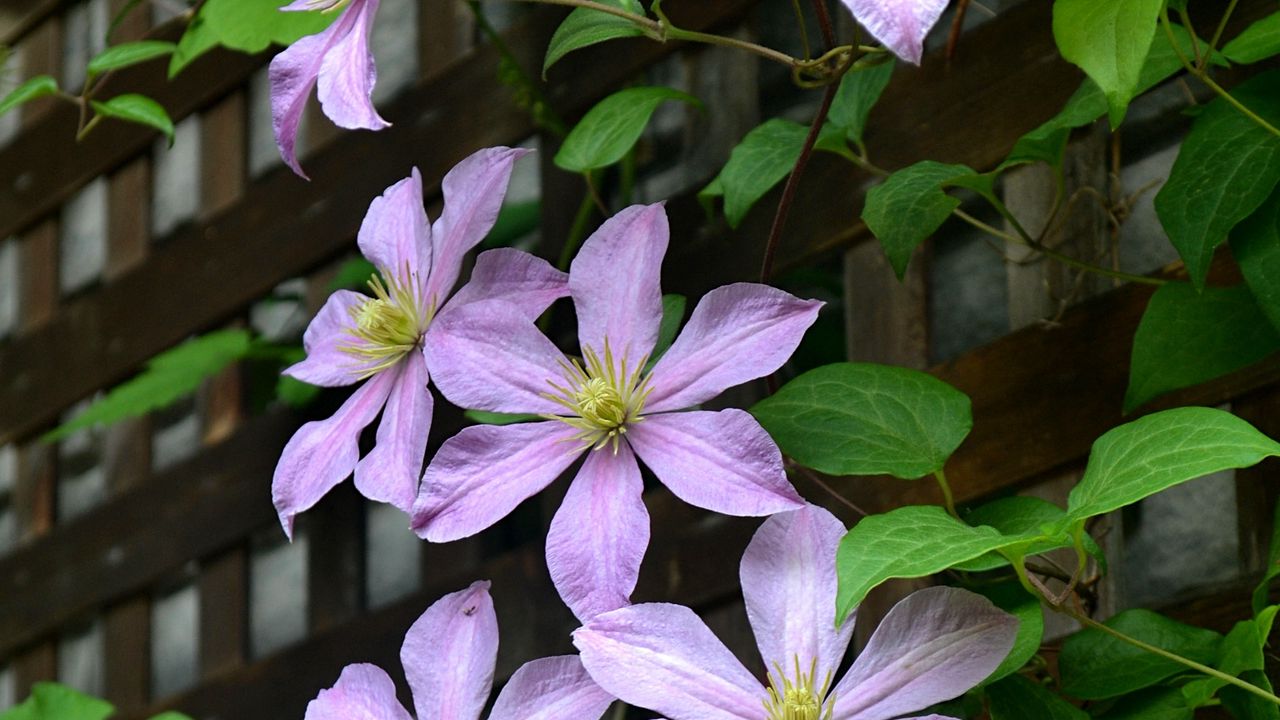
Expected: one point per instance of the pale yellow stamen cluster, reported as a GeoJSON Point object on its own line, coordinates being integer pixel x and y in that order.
{"type": "Point", "coordinates": [327, 5]}
{"type": "Point", "coordinates": [799, 698]}
{"type": "Point", "coordinates": [389, 324]}
{"type": "Point", "coordinates": [602, 398]}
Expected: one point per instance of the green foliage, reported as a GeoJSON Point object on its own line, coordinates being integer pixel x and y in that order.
{"type": "Point", "coordinates": [859, 90]}
{"type": "Point", "coordinates": [249, 26]}
{"type": "Point", "coordinates": [1186, 338]}
{"type": "Point", "coordinates": [1255, 243]}
{"type": "Point", "coordinates": [1241, 651]}
{"type": "Point", "coordinates": [909, 206]}
{"type": "Point", "coordinates": [1097, 665]}
{"type": "Point", "coordinates": [1151, 704]}
{"type": "Point", "coordinates": [764, 157]}
{"type": "Point", "coordinates": [1262, 593]}
{"type": "Point", "coordinates": [1226, 168]}
{"type": "Point", "coordinates": [1013, 599]}
{"type": "Point", "coordinates": [1017, 698]}
{"type": "Point", "coordinates": [865, 419]}
{"type": "Point", "coordinates": [1161, 450]}
{"type": "Point", "coordinates": [909, 542]}
{"type": "Point", "coordinates": [672, 316]}
{"type": "Point", "coordinates": [127, 54]}
{"type": "Point", "coordinates": [484, 417]}
{"type": "Point", "coordinates": [54, 701]}
{"type": "Point", "coordinates": [612, 127]}
{"type": "Point", "coordinates": [37, 87]}
{"type": "Point", "coordinates": [515, 221]}
{"type": "Point", "coordinates": [1109, 40]}
{"type": "Point", "coordinates": [169, 376]}
{"type": "Point", "coordinates": [1020, 515]}
{"type": "Point", "coordinates": [584, 27]}
{"type": "Point", "coordinates": [352, 275]}
{"type": "Point", "coordinates": [1259, 41]}
{"type": "Point", "coordinates": [138, 109]}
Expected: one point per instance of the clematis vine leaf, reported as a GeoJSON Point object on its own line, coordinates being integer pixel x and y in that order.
{"type": "Point", "coordinates": [171, 375]}
{"type": "Point", "coordinates": [1019, 515]}
{"type": "Point", "coordinates": [1258, 42]}
{"type": "Point", "coordinates": [584, 27]}
{"type": "Point", "coordinates": [1096, 665]}
{"type": "Point", "coordinates": [249, 26]}
{"type": "Point", "coordinates": [909, 542]}
{"type": "Point", "coordinates": [1255, 244]}
{"type": "Point", "coordinates": [1262, 592]}
{"type": "Point", "coordinates": [1156, 703]}
{"type": "Point", "coordinates": [867, 419]}
{"type": "Point", "coordinates": [1019, 698]}
{"type": "Point", "coordinates": [1011, 597]}
{"type": "Point", "coordinates": [764, 157]}
{"type": "Point", "coordinates": [37, 87]}
{"type": "Point", "coordinates": [138, 109]}
{"type": "Point", "coordinates": [128, 54]}
{"type": "Point", "coordinates": [1156, 452]}
{"type": "Point", "coordinates": [54, 701]}
{"type": "Point", "coordinates": [859, 90]}
{"type": "Point", "coordinates": [910, 206]}
{"type": "Point", "coordinates": [1186, 338]}
{"type": "Point", "coordinates": [609, 129]}
{"type": "Point", "coordinates": [673, 307]}
{"type": "Point", "coordinates": [1227, 167]}
{"type": "Point", "coordinates": [1108, 40]}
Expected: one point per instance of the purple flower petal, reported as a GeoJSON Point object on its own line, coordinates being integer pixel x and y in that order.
{"type": "Point", "coordinates": [395, 235]}
{"type": "Point", "coordinates": [598, 536]}
{"type": "Point", "coordinates": [614, 283]}
{"type": "Point", "coordinates": [552, 688]}
{"type": "Point", "coordinates": [524, 280]}
{"type": "Point", "coordinates": [449, 655]}
{"type": "Point", "coordinates": [663, 658]}
{"type": "Point", "coordinates": [390, 472]}
{"type": "Point", "coordinates": [722, 461]}
{"type": "Point", "coordinates": [363, 692]}
{"type": "Point", "coordinates": [347, 72]}
{"type": "Point", "coordinates": [293, 74]}
{"type": "Point", "coordinates": [736, 333]}
{"type": "Point", "coordinates": [485, 471]}
{"type": "Point", "coordinates": [489, 356]}
{"type": "Point", "coordinates": [789, 584]}
{"type": "Point", "coordinates": [473, 192]}
{"type": "Point", "coordinates": [900, 24]}
{"type": "Point", "coordinates": [324, 452]}
{"type": "Point", "coordinates": [327, 364]}
{"type": "Point", "coordinates": [933, 646]}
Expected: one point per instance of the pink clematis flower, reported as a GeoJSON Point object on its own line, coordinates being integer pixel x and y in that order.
{"type": "Point", "coordinates": [379, 339]}
{"type": "Point", "coordinates": [449, 656]}
{"type": "Point", "coordinates": [337, 59]}
{"type": "Point", "coordinates": [900, 24]}
{"type": "Point", "coordinates": [933, 646]}
{"type": "Point", "coordinates": [489, 356]}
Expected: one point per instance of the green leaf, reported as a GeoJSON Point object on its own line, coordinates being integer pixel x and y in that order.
{"type": "Point", "coordinates": [515, 221]}
{"type": "Point", "coordinates": [1019, 515]}
{"type": "Point", "coordinates": [53, 701]}
{"type": "Point", "coordinates": [1255, 243]}
{"type": "Point", "coordinates": [1186, 338]}
{"type": "Point", "coordinates": [584, 27]}
{"type": "Point", "coordinates": [1151, 704]}
{"type": "Point", "coordinates": [763, 158]}
{"type": "Point", "coordinates": [1226, 168]}
{"type": "Point", "coordinates": [295, 393]}
{"type": "Point", "coordinates": [171, 715]}
{"type": "Point", "coordinates": [1262, 593]}
{"type": "Point", "coordinates": [171, 375]}
{"type": "Point", "coordinates": [1109, 40]}
{"type": "Point", "coordinates": [137, 109]}
{"type": "Point", "coordinates": [866, 419]}
{"type": "Point", "coordinates": [249, 26]}
{"type": "Point", "coordinates": [127, 54]}
{"type": "Point", "coordinates": [672, 315]}
{"type": "Point", "coordinates": [608, 130]}
{"type": "Point", "coordinates": [1013, 599]}
{"type": "Point", "coordinates": [1017, 698]}
{"type": "Point", "coordinates": [909, 206]}
{"type": "Point", "coordinates": [37, 87]}
{"type": "Point", "coordinates": [909, 542]}
{"type": "Point", "coordinates": [1096, 665]}
{"type": "Point", "coordinates": [858, 92]}
{"type": "Point", "coordinates": [1259, 41]}
{"type": "Point", "coordinates": [352, 275]}
{"type": "Point", "coordinates": [1245, 705]}
{"type": "Point", "coordinates": [485, 417]}
{"type": "Point", "coordinates": [1161, 450]}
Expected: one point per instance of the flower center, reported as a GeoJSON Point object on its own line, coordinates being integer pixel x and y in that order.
{"type": "Point", "coordinates": [389, 324]}
{"type": "Point", "coordinates": [327, 5]}
{"type": "Point", "coordinates": [799, 697]}
{"type": "Point", "coordinates": [602, 397]}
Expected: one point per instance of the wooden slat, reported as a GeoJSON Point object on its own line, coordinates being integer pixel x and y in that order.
{"type": "Point", "coordinates": [282, 229]}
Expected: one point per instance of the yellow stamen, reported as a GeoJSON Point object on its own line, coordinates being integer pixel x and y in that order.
{"type": "Point", "coordinates": [602, 398]}
{"type": "Point", "coordinates": [389, 324]}
{"type": "Point", "coordinates": [799, 698]}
